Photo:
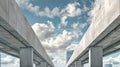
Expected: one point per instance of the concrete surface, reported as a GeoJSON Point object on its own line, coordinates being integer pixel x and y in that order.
{"type": "Point", "coordinates": [104, 31]}
{"type": "Point", "coordinates": [95, 57]}
{"type": "Point", "coordinates": [78, 64]}
{"type": "Point", "coordinates": [26, 57]}
{"type": "Point", "coordinates": [15, 32]}
{"type": "Point", "coordinates": [38, 65]}
{"type": "Point", "coordinates": [43, 64]}
{"type": "Point", "coordinates": [72, 65]}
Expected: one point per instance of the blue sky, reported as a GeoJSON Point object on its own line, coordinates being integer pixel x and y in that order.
{"type": "Point", "coordinates": [59, 25]}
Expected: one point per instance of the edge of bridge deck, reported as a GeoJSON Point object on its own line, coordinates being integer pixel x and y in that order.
{"type": "Point", "coordinates": [97, 30]}
{"type": "Point", "coordinates": [15, 23]}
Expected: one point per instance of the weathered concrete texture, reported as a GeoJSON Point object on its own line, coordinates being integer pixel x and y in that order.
{"type": "Point", "coordinates": [4, 9]}
{"type": "Point", "coordinates": [17, 32]}
{"type": "Point", "coordinates": [49, 66]}
{"type": "Point", "coordinates": [37, 65]}
{"type": "Point", "coordinates": [95, 57]}
{"type": "Point", "coordinates": [103, 31]}
{"type": "Point", "coordinates": [26, 57]}
{"type": "Point", "coordinates": [43, 64]}
{"type": "Point", "coordinates": [78, 64]}
{"type": "Point", "coordinates": [73, 65]}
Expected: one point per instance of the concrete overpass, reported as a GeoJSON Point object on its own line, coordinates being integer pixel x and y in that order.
{"type": "Point", "coordinates": [18, 39]}
{"type": "Point", "coordinates": [101, 38]}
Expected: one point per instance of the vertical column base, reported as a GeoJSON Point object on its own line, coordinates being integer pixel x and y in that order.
{"type": "Point", "coordinates": [95, 57]}
{"type": "Point", "coordinates": [73, 65]}
{"type": "Point", "coordinates": [38, 65]}
{"type": "Point", "coordinates": [43, 64]}
{"type": "Point", "coordinates": [78, 64]}
{"type": "Point", "coordinates": [26, 57]}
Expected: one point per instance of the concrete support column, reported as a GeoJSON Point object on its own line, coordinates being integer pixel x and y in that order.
{"type": "Point", "coordinates": [73, 65]}
{"type": "Point", "coordinates": [26, 57]}
{"type": "Point", "coordinates": [96, 57]}
{"type": "Point", "coordinates": [38, 65]}
{"type": "Point", "coordinates": [78, 64]}
{"type": "Point", "coordinates": [43, 64]}
{"type": "Point", "coordinates": [48, 66]}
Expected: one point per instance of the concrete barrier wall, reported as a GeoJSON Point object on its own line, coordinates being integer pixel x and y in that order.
{"type": "Point", "coordinates": [105, 12]}
{"type": "Point", "coordinates": [17, 24]}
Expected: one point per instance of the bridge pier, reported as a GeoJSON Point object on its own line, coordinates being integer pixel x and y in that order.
{"type": "Point", "coordinates": [95, 57]}
{"type": "Point", "coordinates": [43, 64]}
{"type": "Point", "coordinates": [78, 64]}
{"type": "Point", "coordinates": [26, 57]}
{"type": "Point", "coordinates": [73, 65]}
{"type": "Point", "coordinates": [48, 66]}
{"type": "Point", "coordinates": [38, 65]}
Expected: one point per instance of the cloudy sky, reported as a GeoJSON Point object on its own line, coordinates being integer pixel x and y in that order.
{"type": "Point", "coordinates": [59, 25]}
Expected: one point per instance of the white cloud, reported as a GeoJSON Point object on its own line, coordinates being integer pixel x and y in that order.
{"type": "Point", "coordinates": [46, 34]}
{"type": "Point", "coordinates": [44, 31]}
{"type": "Point", "coordinates": [60, 42]}
{"type": "Point", "coordinates": [55, 44]}
{"type": "Point", "coordinates": [72, 9]}
{"type": "Point", "coordinates": [115, 61]}
{"type": "Point", "coordinates": [63, 21]}
{"type": "Point", "coordinates": [59, 58]}
{"type": "Point", "coordinates": [50, 13]}
{"type": "Point", "coordinates": [72, 47]}
{"type": "Point", "coordinates": [35, 9]}
{"type": "Point", "coordinates": [23, 3]}
{"type": "Point", "coordinates": [100, 10]}
{"type": "Point", "coordinates": [10, 61]}
{"type": "Point", "coordinates": [112, 60]}
{"type": "Point", "coordinates": [77, 25]}
{"type": "Point", "coordinates": [78, 28]}
{"type": "Point", "coordinates": [85, 8]}
{"type": "Point", "coordinates": [95, 10]}
{"type": "Point", "coordinates": [82, 25]}
{"type": "Point", "coordinates": [7, 59]}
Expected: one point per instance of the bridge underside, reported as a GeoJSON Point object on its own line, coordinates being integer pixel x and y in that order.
{"type": "Point", "coordinates": [110, 43]}
{"type": "Point", "coordinates": [11, 44]}
{"type": "Point", "coordinates": [109, 40]}
{"type": "Point", "coordinates": [16, 34]}
{"type": "Point", "coordinates": [103, 32]}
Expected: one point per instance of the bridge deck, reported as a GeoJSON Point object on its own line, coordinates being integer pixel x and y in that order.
{"type": "Point", "coordinates": [104, 31]}
{"type": "Point", "coordinates": [15, 32]}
